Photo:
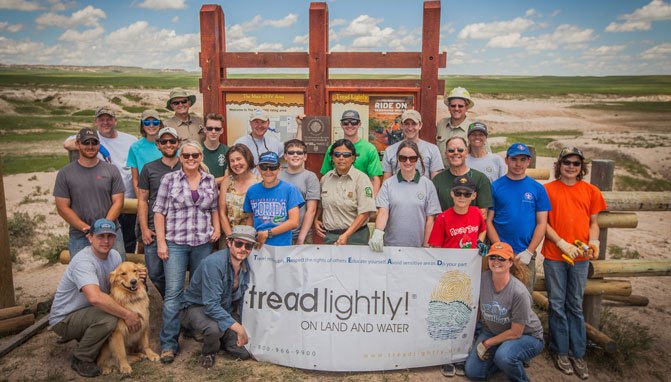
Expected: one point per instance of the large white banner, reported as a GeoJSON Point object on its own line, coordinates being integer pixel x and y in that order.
{"type": "Point", "coordinates": [346, 308]}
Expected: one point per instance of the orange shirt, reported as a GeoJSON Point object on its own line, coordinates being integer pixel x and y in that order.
{"type": "Point", "coordinates": [572, 207]}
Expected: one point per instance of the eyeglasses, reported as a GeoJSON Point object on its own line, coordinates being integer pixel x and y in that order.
{"type": "Point", "coordinates": [166, 141]}
{"type": "Point", "coordinates": [240, 244]}
{"type": "Point", "coordinates": [412, 159]}
{"type": "Point", "coordinates": [496, 258]}
{"type": "Point", "coordinates": [182, 102]}
{"type": "Point", "coordinates": [349, 122]}
{"type": "Point", "coordinates": [453, 106]}
{"type": "Point", "coordinates": [90, 142]}
{"type": "Point", "coordinates": [190, 155]}
{"type": "Point", "coordinates": [149, 122]}
{"type": "Point", "coordinates": [339, 154]}
{"type": "Point", "coordinates": [268, 167]}
{"type": "Point", "coordinates": [452, 150]}
{"type": "Point", "coordinates": [292, 152]}
{"type": "Point", "coordinates": [465, 194]}
{"type": "Point", "coordinates": [217, 129]}
{"type": "Point", "coordinates": [575, 163]}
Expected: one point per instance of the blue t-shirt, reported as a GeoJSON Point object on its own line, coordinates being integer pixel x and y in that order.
{"type": "Point", "coordinates": [515, 205]}
{"type": "Point", "coordinates": [270, 208]}
{"type": "Point", "coordinates": [142, 152]}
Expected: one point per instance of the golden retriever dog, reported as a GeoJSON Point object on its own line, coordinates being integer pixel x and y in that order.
{"type": "Point", "coordinates": [123, 347]}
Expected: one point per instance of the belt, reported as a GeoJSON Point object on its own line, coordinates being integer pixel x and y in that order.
{"type": "Point", "coordinates": [341, 231]}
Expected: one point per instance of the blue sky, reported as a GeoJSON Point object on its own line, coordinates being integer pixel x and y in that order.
{"type": "Point", "coordinates": [593, 37]}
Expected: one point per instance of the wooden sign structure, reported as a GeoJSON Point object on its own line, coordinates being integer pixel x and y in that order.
{"type": "Point", "coordinates": [319, 87]}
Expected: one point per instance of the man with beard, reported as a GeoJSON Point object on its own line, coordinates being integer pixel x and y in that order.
{"type": "Point", "coordinates": [167, 141]}
{"type": "Point", "coordinates": [187, 125]}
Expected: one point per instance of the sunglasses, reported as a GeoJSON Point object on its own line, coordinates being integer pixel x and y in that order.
{"type": "Point", "coordinates": [90, 142]}
{"type": "Point", "coordinates": [452, 150]}
{"type": "Point", "coordinates": [166, 141]}
{"type": "Point", "coordinates": [240, 244]}
{"type": "Point", "coordinates": [295, 152]}
{"type": "Point", "coordinates": [465, 194]}
{"type": "Point", "coordinates": [268, 167]}
{"type": "Point", "coordinates": [412, 159]}
{"type": "Point", "coordinates": [575, 163]}
{"type": "Point", "coordinates": [349, 122]}
{"type": "Point", "coordinates": [341, 154]}
{"type": "Point", "coordinates": [217, 129]}
{"type": "Point", "coordinates": [190, 155]}
{"type": "Point", "coordinates": [150, 122]}
{"type": "Point", "coordinates": [457, 106]}
{"type": "Point", "coordinates": [496, 258]}
{"type": "Point", "coordinates": [182, 102]}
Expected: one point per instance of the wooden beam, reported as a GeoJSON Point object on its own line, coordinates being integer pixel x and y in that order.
{"type": "Point", "coordinates": [426, 104]}
{"type": "Point", "coordinates": [392, 60]}
{"type": "Point", "coordinates": [7, 298]}
{"type": "Point", "coordinates": [638, 201]}
{"type": "Point", "coordinates": [596, 287]}
{"type": "Point", "coordinates": [617, 219]}
{"type": "Point", "coordinates": [264, 59]}
{"type": "Point", "coordinates": [629, 268]}
{"type": "Point", "coordinates": [24, 336]}
{"type": "Point", "coordinates": [538, 173]}
{"type": "Point", "coordinates": [13, 311]}
{"type": "Point", "coordinates": [634, 299]}
{"type": "Point", "coordinates": [212, 44]}
{"type": "Point", "coordinates": [16, 324]}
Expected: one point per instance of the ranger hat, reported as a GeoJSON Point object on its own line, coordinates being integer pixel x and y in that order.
{"type": "Point", "coordinates": [462, 93]}
{"type": "Point", "coordinates": [179, 93]}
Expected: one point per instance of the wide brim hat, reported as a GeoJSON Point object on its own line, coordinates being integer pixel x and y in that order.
{"type": "Point", "coordinates": [179, 93]}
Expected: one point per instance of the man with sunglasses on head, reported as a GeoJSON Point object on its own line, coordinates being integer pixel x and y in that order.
{"type": "Point", "coordinates": [167, 141]}
{"type": "Point", "coordinates": [188, 125]}
{"type": "Point", "coordinates": [87, 189]}
{"type": "Point", "coordinates": [258, 141]}
{"type": "Point", "coordinates": [214, 152]}
{"type": "Point", "coordinates": [367, 160]}
{"type": "Point", "coordinates": [213, 301]}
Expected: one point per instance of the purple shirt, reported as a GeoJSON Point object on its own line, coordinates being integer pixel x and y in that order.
{"type": "Point", "coordinates": [187, 222]}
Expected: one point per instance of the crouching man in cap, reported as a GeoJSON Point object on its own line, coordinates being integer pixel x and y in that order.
{"type": "Point", "coordinates": [83, 309]}
{"type": "Point", "coordinates": [214, 298]}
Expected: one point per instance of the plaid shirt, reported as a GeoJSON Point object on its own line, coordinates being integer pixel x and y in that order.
{"type": "Point", "coordinates": [187, 222]}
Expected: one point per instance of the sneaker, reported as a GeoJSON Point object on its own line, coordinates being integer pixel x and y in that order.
{"type": "Point", "coordinates": [167, 356]}
{"type": "Point", "coordinates": [580, 367]}
{"type": "Point", "coordinates": [448, 370]}
{"type": "Point", "coordinates": [563, 364]}
{"type": "Point", "coordinates": [460, 368]}
{"type": "Point", "coordinates": [207, 360]}
{"type": "Point", "coordinates": [85, 368]}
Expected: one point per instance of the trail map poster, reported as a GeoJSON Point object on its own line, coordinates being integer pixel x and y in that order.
{"type": "Point", "coordinates": [282, 109]}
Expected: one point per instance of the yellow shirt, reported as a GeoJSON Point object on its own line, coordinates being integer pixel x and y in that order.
{"type": "Point", "coordinates": [345, 197]}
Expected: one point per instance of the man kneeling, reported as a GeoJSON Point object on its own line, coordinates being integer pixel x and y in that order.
{"type": "Point", "coordinates": [215, 294]}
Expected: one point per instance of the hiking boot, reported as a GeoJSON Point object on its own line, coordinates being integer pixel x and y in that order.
{"type": "Point", "coordinates": [563, 364]}
{"type": "Point", "coordinates": [460, 368]}
{"type": "Point", "coordinates": [167, 356]}
{"type": "Point", "coordinates": [448, 370]}
{"type": "Point", "coordinates": [580, 367]}
{"type": "Point", "coordinates": [85, 368]}
{"type": "Point", "coordinates": [207, 360]}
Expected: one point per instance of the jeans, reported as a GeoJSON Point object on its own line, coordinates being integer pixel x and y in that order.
{"type": "Point", "coordinates": [127, 223]}
{"type": "Point", "coordinates": [154, 267]}
{"type": "Point", "coordinates": [566, 286]}
{"type": "Point", "coordinates": [76, 244]}
{"type": "Point", "coordinates": [180, 259]}
{"type": "Point", "coordinates": [507, 357]}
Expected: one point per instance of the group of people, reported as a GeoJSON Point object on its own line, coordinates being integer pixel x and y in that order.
{"type": "Point", "coordinates": [204, 206]}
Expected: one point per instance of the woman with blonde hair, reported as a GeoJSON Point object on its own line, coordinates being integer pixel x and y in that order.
{"type": "Point", "coordinates": [239, 177]}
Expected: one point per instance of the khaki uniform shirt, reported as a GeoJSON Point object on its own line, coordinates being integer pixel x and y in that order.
{"type": "Point", "coordinates": [345, 197]}
{"type": "Point", "coordinates": [445, 131]}
{"type": "Point", "coordinates": [192, 129]}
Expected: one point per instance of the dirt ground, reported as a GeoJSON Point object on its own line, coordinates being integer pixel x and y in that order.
{"type": "Point", "coordinates": [41, 358]}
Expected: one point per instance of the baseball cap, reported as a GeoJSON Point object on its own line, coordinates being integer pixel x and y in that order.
{"type": "Point", "coordinates": [103, 226]}
{"type": "Point", "coordinates": [150, 113]}
{"type": "Point", "coordinates": [87, 133]}
{"type": "Point", "coordinates": [105, 110]}
{"type": "Point", "coordinates": [269, 157]}
{"type": "Point", "coordinates": [518, 149]}
{"type": "Point", "coordinates": [501, 249]}
{"type": "Point", "coordinates": [411, 114]}
{"type": "Point", "coordinates": [463, 183]}
{"type": "Point", "coordinates": [168, 130]}
{"type": "Point", "coordinates": [477, 126]}
{"type": "Point", "coordinates": [566, 151]}
{"type": "Point", "coordinates": [179, 93]}
{"type": "Point", "coordinates": [243, 232]}
{"type": "Point", "coordinates": [259, 114]}
{"type": "Point", "coordinates": [350, 114]}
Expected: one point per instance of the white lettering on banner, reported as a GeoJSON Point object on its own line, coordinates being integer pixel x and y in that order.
{"type": "Point", "coordinates": [346, 308]}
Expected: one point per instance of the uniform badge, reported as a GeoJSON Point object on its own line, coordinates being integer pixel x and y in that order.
{"type": "Point", "coordinates": [369, 192]}
{"type": "Point", "coordinates": [420, 196]}
{"type": "Point", "coordinates": [350, 194]}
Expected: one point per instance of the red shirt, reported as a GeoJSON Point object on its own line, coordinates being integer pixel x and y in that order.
{"type": "Point", "coordinates": [451, 230]}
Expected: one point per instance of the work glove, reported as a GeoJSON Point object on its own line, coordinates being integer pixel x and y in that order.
{"type": "Point", "coordinates": [483, 249]}
{"type": "Point", "coordinates": [569, 250]}
{"type": "Point", "coordinates": [594, 248]}
{"type": "Point", "coordinates": [376, 243]}
{"type": "Point", "coordinates": [105, 153]}
{"type": "Point", "coordinates": [525, 256]}
{"type": "Point", "coordinates": [483, 352]}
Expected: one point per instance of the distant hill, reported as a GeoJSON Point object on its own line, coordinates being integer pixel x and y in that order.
{"type": "Point", "coordinates": [91, 69]}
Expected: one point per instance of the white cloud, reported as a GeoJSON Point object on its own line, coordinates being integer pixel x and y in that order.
{"type": "Point", "coordinates": [162, 4]}
{"type": "Point", "coordinates": [284, 22]}
{"type": "Point", "coordinates": [481, 31]}
{"type": "Point", "coordinates": [337, 22]}
{"type": "Point", "coordinates": [363, 25]}
{"type": "Point", "coordinates": [82, 36]}
{"type": "Point", "coordinates": [659, 52]}
{"type": "Point", "coordinates": [57, 5]}
{"type": "Point", "coordinates": [26, 51]}
{"type": "Point", "coordinates": [530, 12]}
{"type": "Point", "coordinates": [301, 39]}
{"type": "Point", "coordinates": [88, 16]}
{"type": "Point", "coordinates": [605, 51]}
{"type": "Point", "coordinates": [565, 36]}
{"type": "Point", "coordinates": [21, 5]}
{"type": "Point", "coordinates": [13, 28]}
{"type": "Point", "coordinates": [572, 34]}
{"type": "Point", "coordinates": [174, 20]}
{"type": "Point", "coordinates": [642, 18]}
{"type": "Point", "coordinates": [555, 13]}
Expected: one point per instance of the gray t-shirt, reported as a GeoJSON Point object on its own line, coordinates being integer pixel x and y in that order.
{"type": "Point", "coordinates": [409, 203]}
{"type": "Point", "coordinates": [150, 180]}
{"type": "Point", "coordinates": [307, 183]}
{"type": "Point", "coordinates": [512, 304]}
{"type": "Point", "coordinates": [89, 189]}
{"type": "Point", "coordinates": [491, 165]}
{"type": "Point", "coordinates": [260, 146]}
{"type": "Point", "coordinates": [84, 269]}
{"type": "Point", "coordinates": [430, 156]}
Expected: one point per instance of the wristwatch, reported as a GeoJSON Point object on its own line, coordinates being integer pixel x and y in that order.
{"type": "Point", "coordinates": [270, 234]}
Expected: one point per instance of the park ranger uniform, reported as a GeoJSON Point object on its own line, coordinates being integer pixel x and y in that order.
{"type": "Point", "coordinates": [191, 129]}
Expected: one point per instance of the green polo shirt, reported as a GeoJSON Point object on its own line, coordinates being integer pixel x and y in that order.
{"type": "Point", "coordinates": [367, 160]}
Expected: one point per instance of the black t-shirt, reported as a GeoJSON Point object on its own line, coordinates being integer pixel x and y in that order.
{"type": "Point", "coordinates": [150, 179]}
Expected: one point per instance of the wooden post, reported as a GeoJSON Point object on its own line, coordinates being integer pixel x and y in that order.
{"type": "Point", "coordinates": [6, 279]}
{"type": "Point", "coordinates": [429, 71]}
{"type": "Point", "coordinates": [532, 150]}
{"type": "Point", "coordinates": [315, 95]}
{"type": "Point", "coordinates": [603, 172]}
{"type": "Point", "coordinates": [212, 44]}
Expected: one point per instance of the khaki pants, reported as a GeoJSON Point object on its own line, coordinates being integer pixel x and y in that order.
{"type": "Point", "coordinates": [90, 327]}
